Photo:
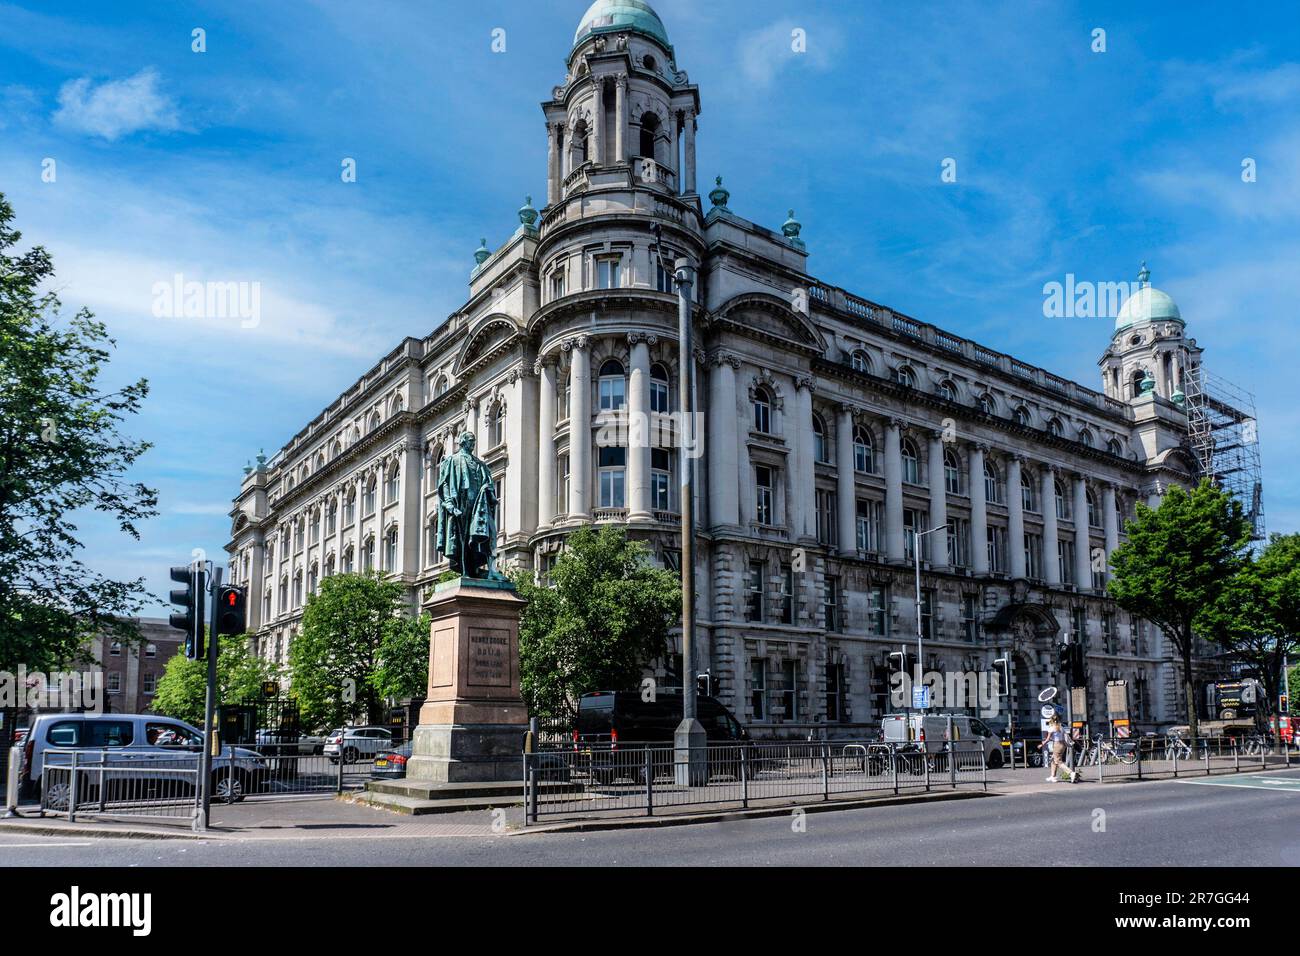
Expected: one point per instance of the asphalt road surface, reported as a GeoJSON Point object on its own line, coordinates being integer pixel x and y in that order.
{"type": "Point", "coordinates": [1240, 820]}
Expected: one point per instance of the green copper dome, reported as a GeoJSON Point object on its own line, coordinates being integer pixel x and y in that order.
{"type": "Point", "coordinates": [616, 16]}
{"type": "Point", "coordinates": [1146, 304]}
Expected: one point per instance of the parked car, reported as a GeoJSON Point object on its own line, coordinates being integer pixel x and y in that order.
{"type": "Point", "coordinates": [128, 741]}
{"type": "Point", "coordinates": [276, 743]}
{"type": "Point", "coordinates": [607, 719]}
{"type": "Point", "coordinates": [928, 734]}
{"type": "Point", "coordinates": [356, 743]}
{"type": "Point", "coordinates": [391, 764]}
{"type": "Point", "coordinates": [20, 733]}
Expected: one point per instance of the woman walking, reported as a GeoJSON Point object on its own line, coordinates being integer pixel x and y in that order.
{"type": "Point", "coordinates": [1056, 746]}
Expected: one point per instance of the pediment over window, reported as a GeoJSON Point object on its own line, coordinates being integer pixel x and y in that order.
{"type": "Point", "coordinates": [773, 319]}
{"type": "Point", "coordinates": [491, 336]}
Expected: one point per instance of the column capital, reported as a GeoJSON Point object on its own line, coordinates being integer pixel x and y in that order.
{"type": "Point", "coordinates": [620, 80]}
{"type": "Point", "coordinates": [979, 446]}
{"type": "Point", "coordinates": [701, 359]}
{"type": "Point", "coordinates": [805, 381]}
{"type": "Point", "coordinates": [637, 338]}
{"type": "Point", "coordinates": [725, 358]}
{"type": "Point", "coordinates": [896, 422]}
{"type": "Point", "coordinates": [576, 342]}
{"type": "Point", "coordinates": [848, 408]}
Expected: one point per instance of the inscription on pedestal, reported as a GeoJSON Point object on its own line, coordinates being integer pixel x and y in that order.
{"type": "Point", "coordinates": [489, 657]}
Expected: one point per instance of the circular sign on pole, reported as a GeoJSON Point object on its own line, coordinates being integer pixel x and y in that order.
{"type": "Point", "coordinates": [1048, 694]}
{"type": "Point", "coordinates": [1048, 712]}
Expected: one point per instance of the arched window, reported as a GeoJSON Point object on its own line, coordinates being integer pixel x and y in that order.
{"type": "Point", "coordinates": [374, 421]}
{"type": "Point", "coordinates": [313, 578]}
{"type": "Point", "coordinates": [336, 449]}
{"type": "Point", "coordinates": [390, 550]}
{"type": "Point", "coordinates": [649, 131]}
{"type": "Point", "coordinates": [659, 397]}
{"type": "Point", "coordinates": [911, 462]}
{"type": "Point", "coordinates": [1055, 428]}
{"type": "Point", "coordinates": [439, 385]}
{"type": "Point", "coordinates": [1094, 513]}
{"type": "Point", "coordinates": [349, 560]}
{"type": "Point", "coordinates": [315, 525]}
{"type": "Point", "coordinates": [578, 147]}
{"type": "Point", "coordinates": [613, 386]}
{"type": "Point", "coordinates": [904, 376]}
{"type": "Point", "coordinates": [952, 472]}
{"type": "Point", "coordinates": [297, 534]}
{"type": "Point", "coordinates": [1135, 381]}
{"type": "Point", "coordinates": [431, 555]}
{"type": "Point", "coordinates": [820, 450]}
{"type": "Point", "coordinates": [864, 452]}
{"type": "Point", "coordinates": [392, 483]}
{"type": "Point", "coordinates": [762, 411]}
{"type": "Point", "coordinates": [1021, 415]}
{"type": "Point", "coordinates": [368, 502]}
{"type": "Point", "coordinates": [331, 516]}
{"type": "Point", "coordinates": [859, 361]}
{"type": "Point", "coordinates": [1085, 438]}
{"type": "Point", "coordinates": [948, 390]}
{"type": "Point", "coordinates": [1028, 492]}
{"type": "Point", "coordinates": [497, 426]}
{"type": "Point", "coordinates": [368, 554]}
{"type": "Point", "coordinates": [1062, 501]}
{"type": "Point", "coordinates": [320, 461]}
{"type": "Point", "coordinates": [350, 508]}
{"type": "Point", "coordinates": [297, 589]}
{"type": "Point", "coordinates": [993, 489]}
{"type": "Point", "coordinates": [303, 473]}
{"type": "Point", "coordinates": [329, 566]}
{"type": "Point", "coordinates": [284, 594]}
{"type": "Point", "coordinates": [985, 403]}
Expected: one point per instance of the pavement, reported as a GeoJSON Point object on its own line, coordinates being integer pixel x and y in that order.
{"type": "Point", "coordinates": [1240, 820]}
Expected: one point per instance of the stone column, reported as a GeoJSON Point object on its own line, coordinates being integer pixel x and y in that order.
{"type": "Point", "coordinates": [638, 430]}
{"type": "Point", "coordinates": [672, 144]}
{"type": "Point", "coordinates": [894, 490]}
{"type": "Point", "coordinates": [846, 484]}
{"type": "Point", "coordinates": [579, 428]}
{"type": "Point", "coordinates": [1015, 518]}
{"type": "Point", "coordinates": [688, 148]}
{"type": "Point", "coordinates": [723, 457]}
{"type": "Point", "coordinates": [938, 501]}
{"type": "Point", "coordinates": [1110, 518]}
{"type": "Point", "coordinates": [257, 586]}
{"type": "Point", "coordinates": [552, 163]}
{"type": "Point", "coordinates": [1051, 567]}
{"type": "Point", "coordinates": [545, 369]}
{"type": "Point", "coordinates": [470, 408]}
{"type": "Point", "coordinates": [597, 155]}
{"type": "Point", "coordinates": [802, 474]}
{"type": "Point", "coordinates": [979, 521]}
{"type": "Point", "coordinates": [620, 118]}
{"type": "Point", "coordinates": [518, 509]}
{"type": "Point", "coordinates": [1082, 545]}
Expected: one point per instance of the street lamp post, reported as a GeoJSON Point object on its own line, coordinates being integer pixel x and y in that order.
{"type": "Point", "coordinates": [916, 557]}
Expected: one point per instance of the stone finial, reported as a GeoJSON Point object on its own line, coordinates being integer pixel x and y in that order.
{"type": "Point", "coordinates": [719, 195]}
{"type": "Point", "coordinates": [527, 214]}
{"type": "Point", "coordinates": [482, 252]}
{"type": "Point", "coordinates": [791, 227]}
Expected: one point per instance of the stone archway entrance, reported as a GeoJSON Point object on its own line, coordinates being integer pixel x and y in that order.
{"type": "Point", "coordinates": [1027, 634]}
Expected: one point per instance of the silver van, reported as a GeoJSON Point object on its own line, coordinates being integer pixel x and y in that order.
{"type": "Point", "coordinates": [928, 733]}
{"type": "Point", "coordinates": [131, 743]}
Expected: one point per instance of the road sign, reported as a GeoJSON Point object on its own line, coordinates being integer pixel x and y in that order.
{"type": "Point", "coordinates": [921, 697]}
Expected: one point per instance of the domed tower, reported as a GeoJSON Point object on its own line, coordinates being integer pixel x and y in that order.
{"type": "Point", "coordinates": [1149, 352]}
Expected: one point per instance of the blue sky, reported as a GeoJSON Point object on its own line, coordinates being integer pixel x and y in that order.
{"type": "Point", "coordinates": [225, 166]}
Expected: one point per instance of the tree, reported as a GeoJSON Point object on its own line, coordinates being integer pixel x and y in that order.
{"type": "Point", "coordinates": [336, 660]}
{"type": "Point", "coordinates": [1177, 561]}
{"type": "Point", "coordinates": [1257, 617]}
{"type": "Point", "coordinates": [604, 617]}
{"type": "Point", "coordinates": [240, 675]}
{"type": "Point", "coordinates": [60, 453]}
{"type": "Point", "coordinates": [403, 669]}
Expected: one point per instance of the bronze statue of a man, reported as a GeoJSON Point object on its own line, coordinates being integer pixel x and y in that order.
{"type": "Point", "coordinates": [467, 512]}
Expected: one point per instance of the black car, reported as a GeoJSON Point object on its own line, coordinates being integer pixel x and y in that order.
{"type": "Point", "coordinates": [612, 726]}
{"type": "Point", "coordinates": [391, 764]}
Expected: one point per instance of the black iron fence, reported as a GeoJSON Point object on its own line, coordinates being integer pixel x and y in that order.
{"type": "Point", "coordinates": [648, 778]}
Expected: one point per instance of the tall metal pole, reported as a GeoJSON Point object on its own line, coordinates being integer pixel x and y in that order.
{"type": "Point", "coordinates": [210, 741]}
{"type": "Point", "coordinates": [686, 358]}
{"type": "Point", "coordinates": [916, 557]}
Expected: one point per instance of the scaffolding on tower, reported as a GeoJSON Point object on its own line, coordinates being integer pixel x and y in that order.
{"type": "Point", "coordinates": [1224, 436]}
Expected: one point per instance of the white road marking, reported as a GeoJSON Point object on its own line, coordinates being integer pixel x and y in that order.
{"type": "Point", "coordinates": [24, 846]}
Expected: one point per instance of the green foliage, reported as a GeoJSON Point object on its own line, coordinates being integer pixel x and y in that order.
{"type": "Point", "coordinates": [1178, 560]}
{"type": "Point", "coordinates": [403, 669]}
{"type": "Point", "coordinates": [240, 674]}
{"type": "Point", "coordinates": [60, 453]}
{"type": "Point", "coordinates": [336, 659]}
{"type": "Point", "coordinates": [1257, 617]}
{"type": "Point", "coordinates": [605, 616]}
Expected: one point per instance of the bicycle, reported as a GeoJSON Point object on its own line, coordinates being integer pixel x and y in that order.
{"type": "Point", "coordinates": [1176, 747]}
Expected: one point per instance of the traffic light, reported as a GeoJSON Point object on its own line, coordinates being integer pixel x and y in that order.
{"type": "Point", "coordinates": [706, 684]}
{"type": "Point", "coordinates": [191, 599]}
{"type": "Point", "coordinates": [230, 610]}
{"type": "Point", "coordinates": [1071, 664]}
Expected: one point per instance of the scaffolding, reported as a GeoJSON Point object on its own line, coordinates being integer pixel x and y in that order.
{"type": "Point", "coordinates": [1223, 434]}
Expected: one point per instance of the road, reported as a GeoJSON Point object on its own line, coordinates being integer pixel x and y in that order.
{"type": "Point", "coordinates": [1242, 820]}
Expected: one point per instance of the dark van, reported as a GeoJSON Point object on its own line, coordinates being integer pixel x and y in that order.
{"type": "Point", "coordinates": [612, 726]}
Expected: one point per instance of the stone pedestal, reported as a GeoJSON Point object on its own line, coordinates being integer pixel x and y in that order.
{"type": "Point", "coordinates": [473, 720]}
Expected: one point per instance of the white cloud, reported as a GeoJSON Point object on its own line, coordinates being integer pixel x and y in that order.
{"type": "Point", "coordinates": [116, 108]}
{"type": "Point", "coordinates": [764, 53]}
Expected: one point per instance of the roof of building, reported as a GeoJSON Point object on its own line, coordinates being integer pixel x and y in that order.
{"type": "Point", "coordinates": [1147, 304]}
{"type": "Point", "coordinates": [612, 16]}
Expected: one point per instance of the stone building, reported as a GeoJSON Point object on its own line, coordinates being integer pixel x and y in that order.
{"type": "Point", "coordinates": [834, 429]}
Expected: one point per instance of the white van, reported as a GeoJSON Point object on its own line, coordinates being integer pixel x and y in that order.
{"type": "Point", "coordinates": [145, 741]}
{"type": "Point", "coordinates": [928, 733]}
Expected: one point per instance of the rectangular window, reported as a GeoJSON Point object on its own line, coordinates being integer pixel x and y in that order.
{"type": "Point", "coordinates": [758, 688]}
{"type": "Point", "coordinates": [913, 524]}
{"type": "Point", "coordinates": [877, 618]}
{"type": "Point", "coordinates": [659, 396]}
{"type": "Point", "coordinates": [1109, 637]}
{"type": "Point", "coordinates": [997, 546]}
{"type": "Point", "coordinates": [613, 392]}
{"type": "Point", "coordinates": [557, 285]}
{"type": "Point", "coordinates": [562, 485]}
{"type": "Point", "coordinates": [114, 682]}
{"type": "Point", "coordinates": [763, 479]}
{"type": "Point", "coordinates": [612, 462]}
{"type": "Point", "coordinates": [754, 591]}
{"type": "Point", "coordinates": [1065, 560]}
{"type": "Point", "coordinates": [787, 594]}
{"type": "Point", "coordinates": [969, 618]}
{"type": "Point", "coordinates": [607, 273]}
{"type": "Point", "coordinates": [790, 689]}
{"type": "Point", "coordinates": [827, 521]}
{"type": "Point", "coordinates": [663, 278]}
{"type": "Point", "coordinates": [660, 479]}
{"type": "Point", "coordinates": [927, 615]}
{"type": "Point", "coordinates": [959, 543]}
{"type": "Point", "coordinates": [1079, 626]}
{"type": "Point", "coordinates": [831, 604]}
{"type": "Point", "coordinates": [148, 684]}
{"type": "Point", "coordinates": [1034, 556]}
{"type": "Point", "coordinates": [1098, 556]}
{"type": "Point", "coordinates": [836, 694]}
{"type": "Point", "coordinates": [868, 525]}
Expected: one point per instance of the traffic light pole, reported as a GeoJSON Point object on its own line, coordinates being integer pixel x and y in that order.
{"type": "Point", "coordinates": [210, 741]}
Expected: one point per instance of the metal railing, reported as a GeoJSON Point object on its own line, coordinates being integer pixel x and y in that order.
{"type": "Point", "coordinates": [1176, 756]}
{"type": "Point", "coordinates": [645, 778]}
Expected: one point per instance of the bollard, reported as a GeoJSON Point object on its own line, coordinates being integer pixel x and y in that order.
{"type": "Point", "coordinates": [72, 789]}
{"type": "Point", "coordinates": [12, 779]}
{"type": "Point", "coordinates": [338, 780]}
{"type": "Point", "coordinates": [744, 775]}
{"type": "Point", "coordinates": [650, 780]}
{"type": "Point", "coordinates": [1207, 757]}
{"type": "Point", "coordinates": [530, 782]}
{"type": "Point", "coordinates": [1175, 760]}
{"type": "Point", "coordinates": [1236, 757]}
{"type": "Point", "coordinates": [826, 770]}
{"type": "Point", "coordinates": [893, 765]}
{"type": "Point", "coordinates": [925, 762]}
